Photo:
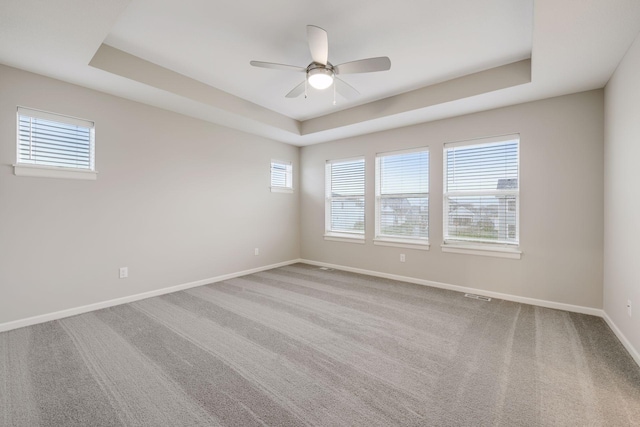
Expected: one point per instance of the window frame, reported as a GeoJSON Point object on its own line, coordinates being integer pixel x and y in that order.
{"type": "Point", "coordinates": [380, 239]}
{"type": "Point", "coordinates": [343, 236]}
{"type": "Point", "coordinates": [288, 187]}
{"type": "Point", "coordinates": [478, 247]}
{"type": "Point", "coordinates": [50, 171]}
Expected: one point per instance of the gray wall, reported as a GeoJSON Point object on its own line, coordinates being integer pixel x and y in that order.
{"type": "Point", "coordinates": [176, 200]}
{"type": "Point", "coordinates": [561, 200]}
{"type": "Point", "coordinates": [622, 196]}
{"type": "Point", "coordinates": [179, 200]}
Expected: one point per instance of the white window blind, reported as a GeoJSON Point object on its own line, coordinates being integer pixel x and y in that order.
{"type": "Point", "coordinates": [281, 175]}
{"type": "Point", "coordinates": [402, 196]}
{"type": "Point", "coordinates": [481, 191]}
{"type": "Point", "coordinates": [345, 197]}
{"type": "Point", "coordinates": [52, 140]}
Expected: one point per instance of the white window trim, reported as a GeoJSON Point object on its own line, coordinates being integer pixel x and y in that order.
{"type": "Point", "coordinates": [400, 242]}
{"type": "Point", "coordinates": [53, 172]}
{"type": "Point", "coordinates": [341, 236]}
{"type": "Point", "coordinates": [468, 247]}
{"type": "Point", "coordinates": [46, 171]}
{"type": "Point", "coordinates": [419, 244]}
{"type": "Point", "coordinates": [345, 238]}
{"type": "Point", "coordinates": [490, 250]}
{"type": "Point", "coordinates": [279, 189]}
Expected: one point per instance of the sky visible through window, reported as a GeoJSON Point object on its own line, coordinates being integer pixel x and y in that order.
{"type": "Point", "coordinates": [405, 173]}
{"type": "Point", "coordinates": [482, 167]}
{"type": "Point", "coordinates": [51, 143]}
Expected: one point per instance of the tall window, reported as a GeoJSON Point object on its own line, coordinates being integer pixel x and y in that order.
{"type": "Point", "coordinates": [482, 191]}
{"type": "Point", "coordinates": [344, 186]}
{"type": "Point", "coordinates": [402, 197]}
{"type": "Point", "coordinates": [281, 176]}
{"type": "Point", "coordinates": [54, 142]}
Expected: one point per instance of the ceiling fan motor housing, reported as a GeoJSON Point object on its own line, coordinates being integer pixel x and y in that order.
{"type": "Point", "coordinates": [320, 76]}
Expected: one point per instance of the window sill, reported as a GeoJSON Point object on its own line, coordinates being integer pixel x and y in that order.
{"type": "Point", "coordinates": [498, 252]}
{"type": "Point", "coordinates": [400, 243]}
{"type": "Point", "coordinates": [281, 190]}
{"type": "Point", "coordinates": [53, 172]}
{"type": "Point", "coordinates": [345, 238]}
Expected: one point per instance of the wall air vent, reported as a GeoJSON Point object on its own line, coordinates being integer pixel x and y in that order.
{"type": "Point", "coordinates": [480, 297]}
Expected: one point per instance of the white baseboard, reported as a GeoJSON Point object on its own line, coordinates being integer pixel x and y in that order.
{"type": "Point", "coordinates": [625, 342]}
{"type": "Point", "coordinates": [508, 297]}
{"type": "Point", "coordinates": [7, 326]}
{"type": "Point", "coordinates": [137, 297]}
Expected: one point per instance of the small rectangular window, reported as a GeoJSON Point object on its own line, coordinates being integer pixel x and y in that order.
{"type": "Point", "coordinates": [482, 192]}
{"type": "Point", "coordinates": [402, 197]}
{"type": "Point", "coordinates": [281, 176]}
{"type": "Point", "coordinates": [55, 143]}
{"type": "Point", "coordinates": [344, 205]}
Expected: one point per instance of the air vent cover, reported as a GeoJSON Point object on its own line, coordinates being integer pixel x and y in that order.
{"type": "Point", "coordinates": [479, 297]}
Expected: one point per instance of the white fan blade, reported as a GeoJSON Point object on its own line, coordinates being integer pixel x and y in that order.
{"type": "Point", "coordinates": [296, 91]}
{"type": "Point", "coordinates": [364, 66]}
{"type": "Point", "coordinates": [318, 44]}
{"type": "Point", "coordinates": [345, 89]}
{"type": "Point", "coordinates": [275, 66]}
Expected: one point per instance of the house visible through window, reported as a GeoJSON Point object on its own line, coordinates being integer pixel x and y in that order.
{"type": "Point", "coordinates": [481, 191]}
{"type": "Point", "coordinates": [344, 205]}
{"type": "Point", "coordinates": [54, 142]}
{"type": "Point", "coordinates": [281, 176]}
{"type": "Point", "coordinates": [402, 197]}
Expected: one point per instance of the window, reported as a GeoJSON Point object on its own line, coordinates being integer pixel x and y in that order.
{"type": "Point", "coordinates": [481, 194]}
{"type": "Point", "coordinates": [344, 217]}
{"type": "Point", "coordinates": [281, 176]}
{"type": "Point", "coordinates": [54, 145]}
{"type": "Point", "coordinates": [402, 198]}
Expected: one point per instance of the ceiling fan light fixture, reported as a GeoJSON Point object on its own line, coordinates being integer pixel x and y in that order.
{"type": "Point", "coordinates": [321, 74]}
{"type": "Point", "coordinates": [320, 78]}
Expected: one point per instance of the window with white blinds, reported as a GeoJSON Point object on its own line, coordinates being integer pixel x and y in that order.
{"type": "Point", "coordinates": [345, 198]}
{"type": "Point", "coordinates": [281, 176]}
{"type": "Point", "coordinates": [402, 196]}
{"type": "Point", "coordinates": [52, 140]}
{"type": "Point", "coordinates": [482, 191]}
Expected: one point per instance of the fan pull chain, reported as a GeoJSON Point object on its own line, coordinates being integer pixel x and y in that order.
{"type": "Point", "coordinates": [334, 92]}
{"type": "Point", "coordinates": [305, 87]}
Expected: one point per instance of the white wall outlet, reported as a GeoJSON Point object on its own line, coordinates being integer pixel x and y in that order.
{"type": "Point", "coordinates": [124, 272]}
{"type": "Point", "coordinates": [629, 307]}
{"type": "Point", "coordinates": [402, 258]}
{"type": "Point", "coordinates": [256, 251]}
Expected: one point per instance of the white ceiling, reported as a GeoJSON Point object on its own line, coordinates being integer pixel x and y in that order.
{"type": "Point", "coordinates": [427, 41]}
{"type": "Point", "coordinates": [574, 45]}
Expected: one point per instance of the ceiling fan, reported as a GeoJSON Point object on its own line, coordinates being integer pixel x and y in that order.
{"type": "Point", "coordinates": [320, 73]}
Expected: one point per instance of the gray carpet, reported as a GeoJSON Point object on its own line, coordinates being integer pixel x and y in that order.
{"type": "Point", "coordinates": [300, 346]}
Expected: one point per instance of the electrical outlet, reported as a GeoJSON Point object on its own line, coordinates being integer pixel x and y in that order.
{"type": "Point", "coordinates": [629, 307]}
{"type": "Point", "coordinates": [124, 272]}
{"type": "Point", "coordinates": [256, 251]}
{"type": "Point", "coordinates": [402, 258]}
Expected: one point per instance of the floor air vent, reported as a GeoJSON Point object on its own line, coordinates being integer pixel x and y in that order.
{"type": "Point", "coordinates": [325, 268]}
{"type": "Point", "coordinates": [480, 297]}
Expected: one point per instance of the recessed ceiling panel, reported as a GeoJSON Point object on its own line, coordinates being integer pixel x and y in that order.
{"type": "Point", "coordinates": [427, 42]}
